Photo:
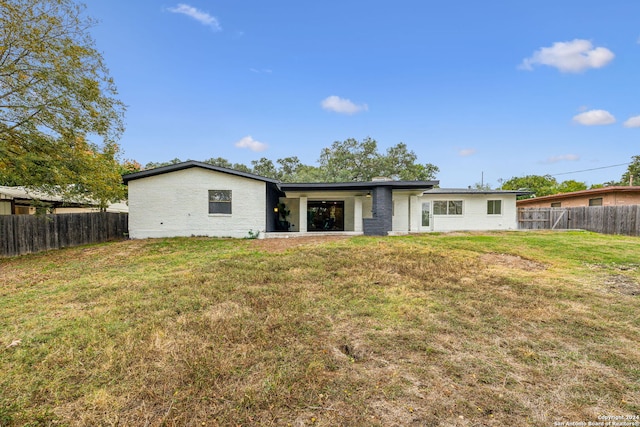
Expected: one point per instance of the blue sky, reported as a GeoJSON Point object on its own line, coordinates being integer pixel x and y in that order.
{"type": "Point", "coordinates": [495, 88]}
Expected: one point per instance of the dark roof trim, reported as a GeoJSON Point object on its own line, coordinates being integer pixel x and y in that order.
{"type": "Point", "coordinates": [474, 191]}
{"type": "Point", "coordinates": [367, 185]}
{"type": "Point", "coordinates": [193, 164]}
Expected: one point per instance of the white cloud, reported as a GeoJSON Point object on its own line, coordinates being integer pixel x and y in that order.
{"type": "Point", "coordinates": [594, 118]}
{"type": "Point", "coordinates": [251, 144]}
{"type": "Point", "coordinates": [200, 16]}
{"type": "Point", "coordinates": [632, 122]}
{"type": "Point", "coordinates": [343, 106]}
{"type": "Point", "coordinates": [261, 71]}
{"type": "Point", "coordinates": [466, 152]}
{"type": "Point", "coordinates": [563, 157]}
{"type": "Point", "coordinates": [570, 57]}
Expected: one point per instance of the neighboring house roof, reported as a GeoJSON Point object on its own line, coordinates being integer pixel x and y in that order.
{"type": "Point", "coordinates": [26, 196]}
{"type": "Point", "coordinates": [21, 193]}
{"type": "Point", "coordinates": [192, 164]}
{"type": "Point", "coordinates": [474, 191]}
{"type": "Point", "coordinates": [583, 193]}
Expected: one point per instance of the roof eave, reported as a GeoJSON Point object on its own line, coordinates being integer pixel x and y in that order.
{"type": "Point", "coordinates": [192, 164]}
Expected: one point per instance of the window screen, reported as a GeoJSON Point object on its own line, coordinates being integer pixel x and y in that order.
{"type": "Point", "coordinates": [220, 202]}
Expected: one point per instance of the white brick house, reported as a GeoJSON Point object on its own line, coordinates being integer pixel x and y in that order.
{"type": "Point", "coordinates": [198, 199]}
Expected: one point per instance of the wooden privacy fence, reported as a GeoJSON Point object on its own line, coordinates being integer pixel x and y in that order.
{"type": "Point", "coordinates": [22, 234]}
{"type": "Point", "coordinates": [601, 219]}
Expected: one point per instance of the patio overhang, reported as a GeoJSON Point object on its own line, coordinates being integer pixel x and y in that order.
{"type": "Point", "coordinates": [361, 187]}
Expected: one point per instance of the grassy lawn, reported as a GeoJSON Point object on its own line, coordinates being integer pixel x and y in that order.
{"type": "Point", "coordinates": [457, 329]}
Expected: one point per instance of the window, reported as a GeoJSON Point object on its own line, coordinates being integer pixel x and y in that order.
{"type": "Point", "coordinates": [556, 204]}
{"type": "Point", "coordinates": [325, 216]}
{"type": "Point", "coordinates": [494, 207]}
{"type": "Point", "coordinates": [220, 202]}
{"type": "Point", "coordinates": [426, 206]}
{"type": "Point", "coordinates": [23, 210]}
{"type": "Point", "coordinates": [447, 207]}
{"type": "Point", "coordinates": [595, 202]}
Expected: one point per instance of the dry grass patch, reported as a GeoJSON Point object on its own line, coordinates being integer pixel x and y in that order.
{"type": "Point", "coordinates": [468, 330]}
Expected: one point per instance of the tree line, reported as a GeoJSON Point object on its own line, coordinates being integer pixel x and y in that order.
{"type": "Point", "coordinates": [546, 185]}
{"type": "Point", "coordinates": [344, 161]}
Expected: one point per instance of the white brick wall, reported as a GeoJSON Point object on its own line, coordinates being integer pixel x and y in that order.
{"type": "Point", "coordinates": [177, 204]}
{"type": "Point", "coordinates": [474, 213]}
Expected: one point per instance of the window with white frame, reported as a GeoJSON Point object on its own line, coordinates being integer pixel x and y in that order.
{"type": "Point", "coordinates": [220, 202]}
{"type": "Point", "coordinates": [426, 212]}
{"type": "Point", "coordinates": [494, 207]}
{"type": "Point", "coordinates": [447, 207]}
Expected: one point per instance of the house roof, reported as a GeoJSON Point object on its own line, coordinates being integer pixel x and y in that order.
{"type": "Point", "coordinates": [591, 192]}
{"type": "Point", "coordinates": [368, 185]}
{"type": "Point", "coordinates": [474, 191]}
{"type": "Point", "coordinates": [192, 164]}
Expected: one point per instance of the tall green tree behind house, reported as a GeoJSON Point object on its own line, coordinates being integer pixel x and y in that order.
{"type": "Point", "coordinates": [60, 118]}
{"type": "Point", "coordinates": [632, 175]}
{"type": "Point", "coordinates": [540, 185]}
{"type": "Point", "coordinates": [353, 160]}
{"type": "Point", "coordinates": [570, 185]}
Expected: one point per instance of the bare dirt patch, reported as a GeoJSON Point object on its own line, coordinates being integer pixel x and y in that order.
{"type": "Point", "coordinates": [618, 278]}
{"type": "Point", "coordinates": [282, 244]}
{"type": "Point", "coordinates": [620, 283]}
{"type": "Point", "coordinates": [512, 261]}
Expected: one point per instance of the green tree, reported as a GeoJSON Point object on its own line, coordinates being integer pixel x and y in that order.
{"type": "Point", "coordinates": [632, 175]}
{"type": "Point", "coordinates": [306, 173]}
{"type": "Point", "coordinates": [400, 163]}
{"type": "Point", "coordinates": [220, 162]}
{"type": "Point", "coordinates": [540, 185]}
{"type": "Point", "coordinates": [289, 168]}
{"type": "Point", "coordinates": [353, 160]}
{"type": "Point", "coordinates": [264, 167]}
{"type": "Point", "coordinates": [544, 185]}
{"type": "Point", "coordinates": [56, 98]}
{"type": "Point", "coordinates": [482, 186]}
{"type": "Point", "coordinates": [153, 165]}
{"type": "Point", "coordinates": [129, 166]}
{"type": "Point", "coordinates": [570, 185]}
